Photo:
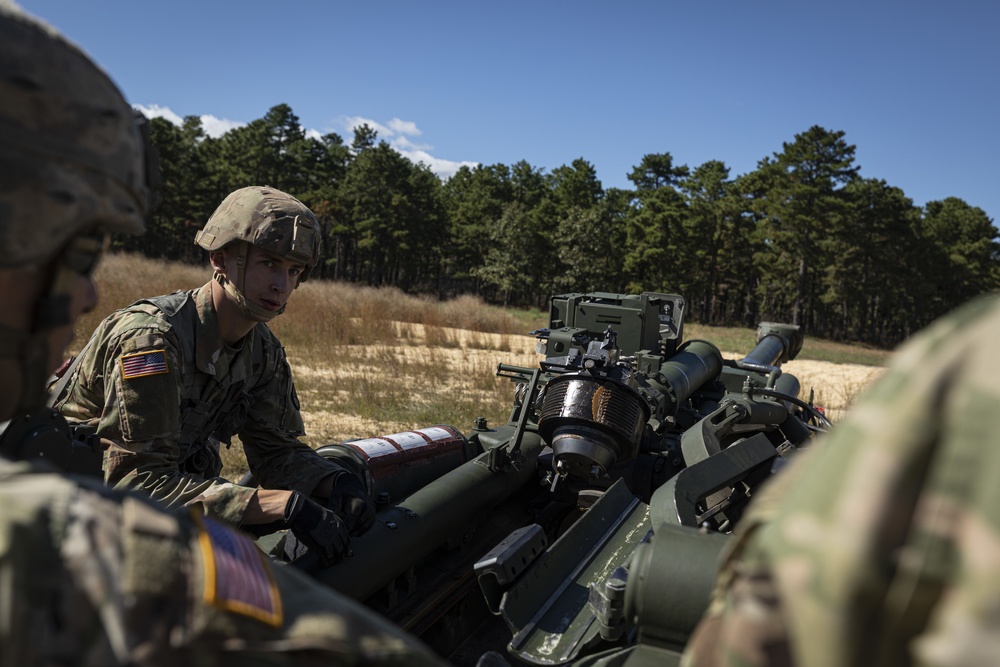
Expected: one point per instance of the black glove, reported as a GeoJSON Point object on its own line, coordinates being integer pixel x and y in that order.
{"type": "Point", "coordinates": [349, 500]}
{"type": "Point", "coordinates": [317, 528]}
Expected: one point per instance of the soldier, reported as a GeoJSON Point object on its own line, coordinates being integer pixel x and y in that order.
{"type": "Point", "coordinates": [881, 546]}
{"type": "Point", "coordinates": [89, 575]}
{"type": "Point", "coordinates": [164, 380]}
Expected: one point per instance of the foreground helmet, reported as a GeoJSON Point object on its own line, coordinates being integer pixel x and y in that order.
{"type": "Point", "coordinates": [269, 219]}
{"type": "Point", "coordinates": [71, 149]}
{"type": "Point", "coordinates": [72, 168]}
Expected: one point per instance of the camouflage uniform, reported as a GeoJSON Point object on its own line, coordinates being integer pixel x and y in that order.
{"type": "Point", "coordinates": [90, 576]}
{"type": "Point", "coordinates": [164, 421]}
{"type": "Point", "coordinates": [881, 545]}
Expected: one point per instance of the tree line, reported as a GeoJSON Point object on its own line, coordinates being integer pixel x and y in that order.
{"type": "Point", "coordinates": [801, 239]}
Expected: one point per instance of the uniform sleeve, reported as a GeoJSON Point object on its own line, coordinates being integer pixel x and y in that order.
{"type": "Point", "coordinates": [278, 459]}
{"type": "Point", "coordinates": [867, 553]}
{"type": "Point", "coordinates": [140, 371]}
{"type": "Point", "coordinates": [126, 382]}
{"type": "Point", "coordinates": [150, 466]}
{"type": "Point", "coordinates": [101, 578]}
{"type": "Point", "coordinates": [807, 578]}
{"type": "Point", "coordinates": [745, 623]}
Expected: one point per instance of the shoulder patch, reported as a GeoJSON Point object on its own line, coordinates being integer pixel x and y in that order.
{"type": "Point", "coordinates": [237, 574]}
{"type": "Point", "coordinates": [142, 364]}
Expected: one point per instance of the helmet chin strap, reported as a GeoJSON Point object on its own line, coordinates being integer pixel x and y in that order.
{"type": "Point", "coordinates": [235, 289]}
{"type": "Point", "coordinates": [32, 351]}
{"type": "Point", "coordinates": [31, 346]}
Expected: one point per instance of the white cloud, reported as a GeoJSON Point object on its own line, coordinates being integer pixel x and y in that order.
{"type": "Point", "coordinates": [352, 123]}
{"type": "Point", "coordinates": [397, 133]}
{"type": "Point", "coordinates": [214, 127]}
{"type": "Point", "coordinates": [404, 127]}
{"type": "Point", "coordinates": [403, 144]}
{"type": "Point", "coordinates": [443, 169]}
{"type": "Point", "coordinates": [395, 129]}
{"type": "Point", "coordinates": [156, 111]}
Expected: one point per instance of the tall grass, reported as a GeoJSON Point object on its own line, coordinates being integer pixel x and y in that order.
{"type": "Point", "coordinates": [366, 361]}
{"type": "Point", "coordinates": [319, 313]}
{"type": "Point", "coordinates": [372, 361]}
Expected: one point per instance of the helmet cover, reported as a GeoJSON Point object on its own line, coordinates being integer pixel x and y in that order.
{"type": "Point", "coordinates": [72, 152]}
{"type": "Point", "coordinates": [267, 218]}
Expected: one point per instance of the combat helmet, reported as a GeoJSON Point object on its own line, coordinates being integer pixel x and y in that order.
{"type": "Point", "coordinates": [267, 218]}
{"type": "Point", "coordinates": [73, 166]}
{"type": "Point", "coordinates": [73, 153]}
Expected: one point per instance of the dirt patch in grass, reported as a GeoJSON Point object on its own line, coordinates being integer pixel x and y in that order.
{"type": "Point", "coordinates": [836, 386]}
{"type": "Point", "coordinates": [391, 388]}
{"type": "Point", "coordinates": [403, 378]}
{"type": "Point", "coordinates": [372, 362]}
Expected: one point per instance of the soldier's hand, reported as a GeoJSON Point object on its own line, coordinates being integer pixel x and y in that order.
{"type": "Point", "coordinates": [352, 504]}
{"type": "Point", "coordinates": [316, 527]}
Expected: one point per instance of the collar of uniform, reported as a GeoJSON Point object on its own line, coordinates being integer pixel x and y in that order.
{"type": "Point", "coordinates": [208, 346]}
{"type": "Point", "coordinates": [211, 355]}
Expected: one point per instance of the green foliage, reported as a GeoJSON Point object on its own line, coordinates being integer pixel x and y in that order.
{"type": "Point", "coordinates": [963, 252]}
{"type": "Point", "coordinates": [717, 239]}
{"type": "Point", "coordinates": [804, 201]}
{"type": "Point", "coordinates": [656, 240]}
{"type": "Point", "coordinates": [185, 198]}
{"type": "Point", "coordinates": [800, 239]}
{"type": "Point", "coordinates": [871, 260]}
{"type": "Point", "coordinates": [394, 220]}
{"type": "Point", "coordinates": [656, 170]}
{"type": "Point", "coordinates": [590, 244]}
{"type": "Point", "coordinates": [514, 254]}
{"type": "Point", "coordinates": [575, 186]}
{"type": "Point", "coordinates": [474, 199]}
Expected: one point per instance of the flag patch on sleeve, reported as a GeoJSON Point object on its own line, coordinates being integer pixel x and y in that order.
{"type": "Point", "coordinates": [142, 364]}
{"type": "Point", "coordinates": [237, 574]}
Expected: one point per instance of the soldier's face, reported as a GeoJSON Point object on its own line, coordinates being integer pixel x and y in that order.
{"type": "Point", "coordinates": [23, 289]}
{"type": "Point", "coordinates": [268, 279]}
{"type": "Point", "coordinates": [83, 299]}
{"type": "Point", "coordinates": [23, 303]}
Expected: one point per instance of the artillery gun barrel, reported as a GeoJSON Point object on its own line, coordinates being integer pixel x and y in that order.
{"type": "Point", "coordinates": [766, 352]}
{"type": "Point", "coordinates": [408, 532]}
{"type": "Point", "coordinates": [696, 363]}
{"type": "Point", "coordinates": [776, 343]}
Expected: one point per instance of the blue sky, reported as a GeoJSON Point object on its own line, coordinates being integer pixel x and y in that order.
{"type": "Point", "coordinates": [914, 84]}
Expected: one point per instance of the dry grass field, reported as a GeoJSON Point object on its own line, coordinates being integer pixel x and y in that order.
{"type": "Point", "coordinates": [371, 362]}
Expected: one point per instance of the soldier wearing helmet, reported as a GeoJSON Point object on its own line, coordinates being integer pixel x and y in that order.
{"type": "Point", "coordinates": [272, 221]}
{"type": "Point", "coordinates": [167, 379]}
{"type": "Point", "coordinates": [70, 163]}
{"type": "Point", "coordinates": [89, 575]}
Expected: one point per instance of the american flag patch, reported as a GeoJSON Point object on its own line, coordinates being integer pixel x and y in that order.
{"type": "Point", "coordinates": [237, 574]}
{"type": "Point", "coordinates": [144, 363]}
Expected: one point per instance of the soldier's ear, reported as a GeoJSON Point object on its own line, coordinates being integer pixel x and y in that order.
{"type": "Point", "coordinates": [218, 260]}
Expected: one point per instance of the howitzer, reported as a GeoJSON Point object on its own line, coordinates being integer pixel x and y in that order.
{"type": "Point", "coordinates": [587, 528]}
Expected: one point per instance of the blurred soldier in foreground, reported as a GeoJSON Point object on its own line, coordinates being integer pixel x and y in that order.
{"type": "Point", "coordinates": [164, 380]}
{"type": "Point", "coordinates": [881, 546]}
{"type": "Point", "coordinates": [89, 575]}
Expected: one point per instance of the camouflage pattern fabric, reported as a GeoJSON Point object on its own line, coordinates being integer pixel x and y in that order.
{"type": "Point", "coordinates": [91, 576]}
{"type": "Point", "coordinates": [268, 218]}
{"type": "Point", "coordinates": [160, 387]}
{"type": "Point", "coordinates": [880, 545]}
{"type": "Point", "coordinates": [71, 153]}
